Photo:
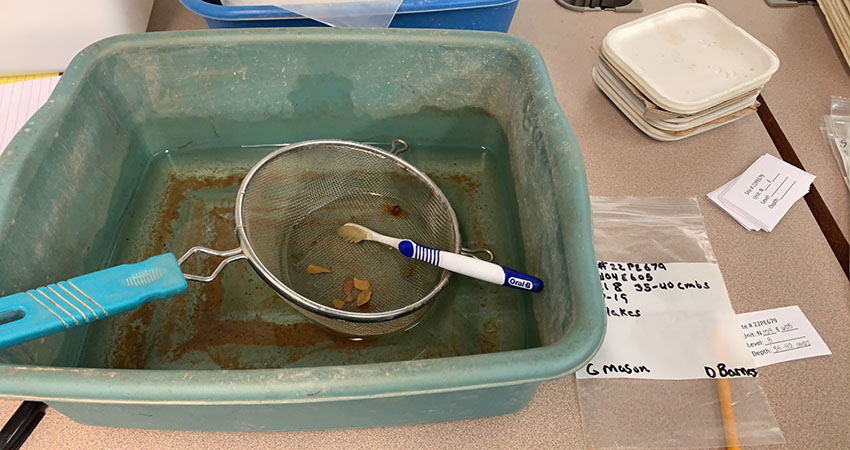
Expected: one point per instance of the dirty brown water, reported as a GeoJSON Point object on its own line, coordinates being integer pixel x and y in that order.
{"type": "Point", "coordinates": [186, 198]}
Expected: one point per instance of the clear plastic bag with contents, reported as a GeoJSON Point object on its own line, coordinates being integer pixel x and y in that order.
{"type": "Point", "coordinates": [630, 413]}
{"type": "Point", "coordinates": [836, 128]}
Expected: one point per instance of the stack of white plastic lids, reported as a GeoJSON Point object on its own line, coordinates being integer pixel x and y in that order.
{"type": "Point", "coordinates": [682, 71]}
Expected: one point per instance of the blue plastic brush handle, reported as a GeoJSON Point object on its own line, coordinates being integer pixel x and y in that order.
{"type": "Point", "coordinates": [471, 267]}
{"type": "Point", "coordinates": [57, 307]}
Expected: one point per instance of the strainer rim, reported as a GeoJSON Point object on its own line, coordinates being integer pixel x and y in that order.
{"type": "Point", "coordinates": [303, 302]}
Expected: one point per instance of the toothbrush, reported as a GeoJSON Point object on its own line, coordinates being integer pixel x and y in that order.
{"type": "Point", "coordinates": [453, 262]}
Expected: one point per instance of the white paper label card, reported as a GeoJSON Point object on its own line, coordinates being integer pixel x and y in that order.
{"type": "Point", "coordinates": [763, 194]}
{"type": "Point", "coordinates": [779, 335]}
{"type": "Point", "coordinates": [668, 321]}
{"type": "Point", "coordinates": [768, 189]}
{"type": "Point", "coordinates": [716, 196]}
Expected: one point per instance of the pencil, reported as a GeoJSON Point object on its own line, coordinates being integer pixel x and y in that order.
{"type": "Point", "coordinates": [727, 412]}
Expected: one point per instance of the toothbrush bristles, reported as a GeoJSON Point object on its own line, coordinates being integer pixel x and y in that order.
{"type": "Point", "coordinates": [352, 232]}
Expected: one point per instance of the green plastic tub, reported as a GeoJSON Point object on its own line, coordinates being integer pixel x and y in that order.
{"type": "Point", "coordinates": [140, 151]}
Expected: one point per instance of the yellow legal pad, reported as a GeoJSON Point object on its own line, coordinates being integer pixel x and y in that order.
{"type": "Point", "coordinates": [16, 78]}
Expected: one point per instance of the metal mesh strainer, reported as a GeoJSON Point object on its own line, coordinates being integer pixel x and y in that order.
{"type": "Point", "coordinates": [289, 207]}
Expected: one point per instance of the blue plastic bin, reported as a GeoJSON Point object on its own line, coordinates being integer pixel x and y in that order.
{"type": "Point", "coordinates": [485, 15]}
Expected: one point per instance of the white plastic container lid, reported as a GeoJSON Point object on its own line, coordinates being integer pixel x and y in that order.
{"type": "Point", "coordinates": [648, 129]}
{"type": "Point", "coordinates": [689, 57]}
{"type": "Point", "coordinates": [682, 124]}
{"type": "Point", "coordinates": [628, 78]}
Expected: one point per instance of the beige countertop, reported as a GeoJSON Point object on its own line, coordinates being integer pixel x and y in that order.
{"type": "Point", "coordinates": [809, 397]}
{"type": "Point", "coordinates": [811, 71]}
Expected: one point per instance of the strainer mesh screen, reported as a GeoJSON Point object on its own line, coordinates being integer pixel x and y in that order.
{"type": "Point", "coordinates": [295, 202]}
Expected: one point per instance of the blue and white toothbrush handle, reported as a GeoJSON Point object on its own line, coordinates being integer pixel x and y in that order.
{"type": "Point", "coordinates": [471, 267]}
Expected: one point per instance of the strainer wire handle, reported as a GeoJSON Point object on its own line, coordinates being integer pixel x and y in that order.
{"type": "Point", "coordinates": [228, 255]}
{"type": "Point", "coordinates": [398, 146]}
{"type": "Point", "coordinates": [474, 252]}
